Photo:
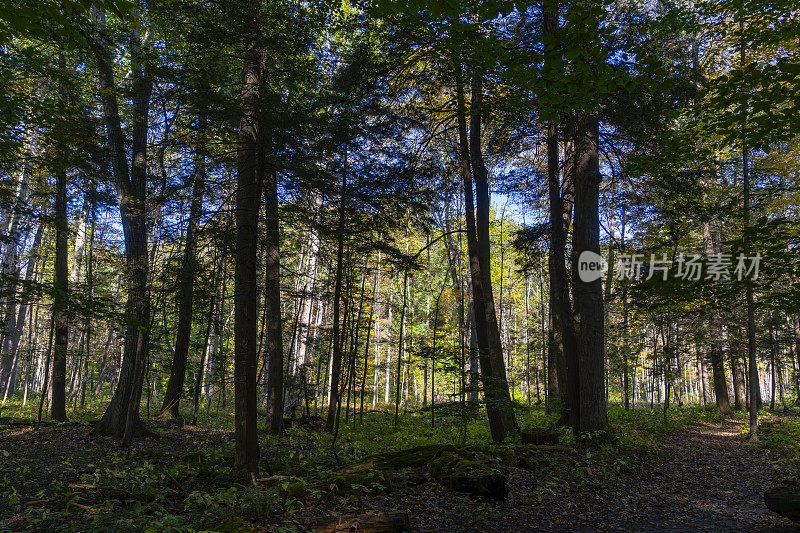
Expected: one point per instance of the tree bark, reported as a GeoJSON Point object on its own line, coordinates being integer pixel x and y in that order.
{"type": "Point", "coordinates": [272, 287]}
{"type": "Point", "coordinates": [250, 177]}
{"type": "Point", "coordinates": [498, 402]}
{"type": "Point", "coordinates": [185, 296]}
{"type": "Point", "coordinates": [306, 325]}
{"type": "Point", "coordinates": [60, 303]}
{"type": "Point", "coordinates": [336, 353]}
{"type": "Point", "coordinates": [562, 340]}
{"type": "Point", "coordinates": [588, 297]}
{"type": "Point", "coordinates": [716, 351]}
{"type": "Point", "coordinates": [9, 259]}
{"type": "Point", "coordinates": [121, 417]}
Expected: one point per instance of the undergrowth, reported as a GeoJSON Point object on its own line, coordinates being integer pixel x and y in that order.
{"type": "Point", "coordinates": [183, 480]}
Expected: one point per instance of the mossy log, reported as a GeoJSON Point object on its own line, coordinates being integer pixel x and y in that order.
{"type": "Point", "coordinates": [469, 472]}
{"type": "Point", "coordinates": [466, 469]}
{"type": "Point", "coordinates": [785, 500]}
{"type": "Point", "coordinates": [480, 471]}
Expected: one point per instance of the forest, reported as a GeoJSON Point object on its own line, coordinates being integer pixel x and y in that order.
{"type": "Point", "coordinates": [397, 265]}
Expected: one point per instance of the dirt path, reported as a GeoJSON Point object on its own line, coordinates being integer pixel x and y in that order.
{"type": "Point", "coordinates": [705, 479]}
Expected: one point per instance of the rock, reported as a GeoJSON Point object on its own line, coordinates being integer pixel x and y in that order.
{"type": "Point", "coordinates": [785, 500]}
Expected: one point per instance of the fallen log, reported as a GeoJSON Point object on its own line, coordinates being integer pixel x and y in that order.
{"type": "Point", "coordinates": [276, 479]}
{"type": "Point", "coordinates": [108, 489]}
{"type": "Point", "coordinates": [363, 523]}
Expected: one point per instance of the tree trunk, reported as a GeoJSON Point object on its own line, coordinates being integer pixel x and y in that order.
{"type": "Point", "coordinates": [705, 382]}
{"type": "Point", "coordinates": [796, 356]}
{"type": "Point", "coordinates": [185, 296]}
{"type": "Point", "coordinates": [716, 351]}
{"type": "Point", "coordinates": [336, 355]}
{"type": "Point", "coordinates": [482, 206]}
{"type": "Point", "coordinates": [588, 296]}
{"type": "Point", "coordinates": [124, 405]}
{"type": "Point", "coordinates": [739, 372]}
{"type": "Point", "coordinates": [498, 402]}
{"type": "Point", "coordinates": [61, 302]}
{"type": "Point", "coordinates": [250, 177]}
{"type": "Point", "coordinates": [772, 366]}
{"type": "Point", "coordinates": [272, 288]}
{"type": "Point", "coordinates": [401, 346]}
{"type": "Point", "coordinates": [306, 326]}
{"type": "Point", "coordinates": [10, 347]}
{"type": "Point", "coordinates": [121, 417]}
{"type": "Point", "coordinates": [80, 236]}
{"type": "Point", "coordinates": [9, 258]}
{"type": "Point", "coordinates": [751, 323]}
{"type": "Point", "coordinates": [563, 389]}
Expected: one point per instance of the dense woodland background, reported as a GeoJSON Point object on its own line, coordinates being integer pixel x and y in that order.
{"type": "Point", "coordinates": [247, 214]}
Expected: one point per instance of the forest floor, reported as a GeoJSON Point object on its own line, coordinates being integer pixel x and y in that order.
{"type": "Point", "coordinates": [696, 473]}
{"type": "Point", "coordinates": [702, 477]}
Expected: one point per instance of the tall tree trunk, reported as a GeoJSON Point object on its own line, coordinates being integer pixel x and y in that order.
{"type": "Point", "coordinates": [755, 391]}
{"type": "Point", "coordinates": [482, 206]}
{"type": "Point", "coordinates": [61, 301]}
{"type": "Point", "coordinates": [10, 221]}
{"type": "Point", "coordinates": [716, 352]}
{"type": "Point", "coordinates": [121, 417]}
{"type": "Point", "coordinates": [185, 296]}
{"type": "Point", "coordinates": [336, 355]}
{"type": "Point", "coordinates": [11, 342]}
{"type": "Point", "coordinates": [272, 288]}
{"type": "Point", "coordinates": [306, 326]}
{"type": "Point", "coordinates": [9, 258]}
{"type": "Point", "coordinates": [250, 177]}
{"type": "Point", "coordinates": [588, 297]}
{"type": "Point", "coordinates": [795, 325]}
{"type": "Point", "coordinates": [562, 389]}
{"type": "Point", "coordinates": [498, 402]}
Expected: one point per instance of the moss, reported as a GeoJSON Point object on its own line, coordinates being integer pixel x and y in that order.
{"type": "Point", "coordinates": [417, 456]}
{"type": "Point", "coordinates": [295, 490]}
{"type": "Point", "coordinates": [470, 471]}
